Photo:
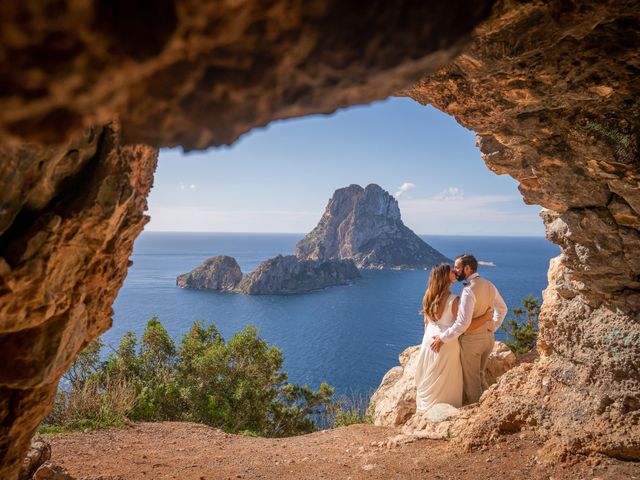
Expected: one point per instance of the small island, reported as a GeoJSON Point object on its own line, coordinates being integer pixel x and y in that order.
{"type": "Point", "coordinates": [281, 275]}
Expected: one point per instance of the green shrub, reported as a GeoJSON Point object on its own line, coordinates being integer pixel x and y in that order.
{"type": "Point", "coordinates": [522, 329]}
{"type": "Point", "coordinates": [237, 385]}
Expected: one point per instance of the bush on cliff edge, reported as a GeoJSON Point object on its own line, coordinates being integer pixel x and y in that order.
{"type": "Point", "coordinates": [236, 385]}
{"type": "Point", "coordinates": [522, 329]}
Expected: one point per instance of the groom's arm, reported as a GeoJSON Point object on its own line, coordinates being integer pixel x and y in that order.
{"type": "Point", "coordinates": [463, 320]}
{"type": "Point", "coordinates": [500, 311]}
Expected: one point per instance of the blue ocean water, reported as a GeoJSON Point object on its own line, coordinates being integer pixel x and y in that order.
{"type": "Point", "coordinates": [348, 336]}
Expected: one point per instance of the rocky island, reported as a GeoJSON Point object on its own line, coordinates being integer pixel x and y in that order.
{"type": "Point", "coordinates": [364, 225]}
{"type": "Point", "coordinates": [216, 273]}
{"type": "Point", "coordinates": [360, 228]}
{"type": "Point", "coordinates": [280, 275]}
{"type": "Point", "coordinates": [290, 274]}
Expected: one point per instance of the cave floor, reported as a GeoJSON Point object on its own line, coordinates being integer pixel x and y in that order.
{"type": "Point", "coordinates": [174, 450]}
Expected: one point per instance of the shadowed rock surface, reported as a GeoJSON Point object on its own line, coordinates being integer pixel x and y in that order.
{"type": "Point", "coordinates": [289, 274]}
{"type": "Point", "coordinates": [197, 73]}
{"type": "Point", "coordinates": [364, 224]}
{"type": "Point", "coordinates": [216, 273]}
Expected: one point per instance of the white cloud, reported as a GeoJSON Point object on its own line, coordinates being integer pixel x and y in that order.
{"type": "Point", "coordinates": [404, 188]}
{"type": "Point", "coordinates": [192, 186]}
{"type": "Point", "coordinates": [451, 193]}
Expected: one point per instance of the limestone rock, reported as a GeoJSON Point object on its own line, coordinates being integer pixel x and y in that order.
{"type": "Point", "coordinates": [197, 73]}
{"type": "Point", "coordinates": [441, 421]}
{"type": "Point", "coordinates": [39, 453]}
{"type": "Point", "coordinates": [501, 360]}
{"type": "Point", "coordinates": [365, 225]}
{"type": "Point", "coordinates": [51, 471]}
{"type": "Point", "coordinates": [550, 88]}
{"type": "Point", "coordinates": [216, 273]}
{"type": "Point", "coordinates": [63, 259]}
{"type": "Point", "coordinates": [289, 274]}
{"type": "Point", "coordinates": [394, 401]}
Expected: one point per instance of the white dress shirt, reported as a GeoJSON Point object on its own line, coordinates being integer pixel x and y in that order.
{"type": "Point", "coordinates": [465, 312]}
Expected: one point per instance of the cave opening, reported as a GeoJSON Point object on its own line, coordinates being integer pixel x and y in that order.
{"type": "Point", "coordinates": [237, 201]}
{"type": "Point", "coordinates": [258, 198]}
{"type": "Point", "coordinates": [548, 87]}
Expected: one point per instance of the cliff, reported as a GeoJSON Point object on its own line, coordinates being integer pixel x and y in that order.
{"type": "Point", "coordinates": [364, 224]}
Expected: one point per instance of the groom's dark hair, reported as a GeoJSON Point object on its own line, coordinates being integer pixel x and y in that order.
{"type": "Point", "coordinates": [468, 259]}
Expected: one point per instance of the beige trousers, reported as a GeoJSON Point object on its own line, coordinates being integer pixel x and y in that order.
{"type": "Point", "coordinates": [475, 348]}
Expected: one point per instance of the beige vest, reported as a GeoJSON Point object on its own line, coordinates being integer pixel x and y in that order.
{"type": "Point", "coordinates": [485, 294]}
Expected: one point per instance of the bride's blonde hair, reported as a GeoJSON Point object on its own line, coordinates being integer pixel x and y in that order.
{"type": "Point", "coordinates": [439, 285]}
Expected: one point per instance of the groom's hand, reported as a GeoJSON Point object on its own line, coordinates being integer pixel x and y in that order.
{"type": "Point", "coordinates": [436, 345]}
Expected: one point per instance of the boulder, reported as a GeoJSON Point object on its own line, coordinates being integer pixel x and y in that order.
{"type": "Point", "coordinates": [501, 360]}
{"type": "Point", "coordinates": [39, 453]}
{"type": "Point", "coordinates": [394, 401]}
{"type": "Point", "coordinates": [51, 471]}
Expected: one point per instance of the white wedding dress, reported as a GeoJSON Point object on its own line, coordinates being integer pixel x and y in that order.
{"type": "Point", "coordinates": [439, 375]}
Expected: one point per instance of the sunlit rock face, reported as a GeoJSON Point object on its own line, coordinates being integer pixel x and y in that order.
{"type": "Point", "coordinates": [551, 89]}
{"type": "Point", "coordinates": [184, 72]}
{"type": "Point", "coordinates": [365, 225]}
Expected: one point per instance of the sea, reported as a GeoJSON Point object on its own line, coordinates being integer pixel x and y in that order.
{"type": "Point", "coordinates": [348, 336]}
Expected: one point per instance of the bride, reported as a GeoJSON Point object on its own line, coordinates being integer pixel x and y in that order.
{"type": "Point", "coordinates": [439, 375]}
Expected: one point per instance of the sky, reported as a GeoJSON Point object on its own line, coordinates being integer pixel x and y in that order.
{"type": "Point", "coordinates": [280, 178]}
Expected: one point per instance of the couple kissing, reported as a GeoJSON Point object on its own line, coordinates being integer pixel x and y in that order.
{"type": "Point", "coordinates": [459, 335]}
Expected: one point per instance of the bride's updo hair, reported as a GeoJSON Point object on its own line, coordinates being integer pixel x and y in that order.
{"type": "Point", "coordinates": [439, 285]}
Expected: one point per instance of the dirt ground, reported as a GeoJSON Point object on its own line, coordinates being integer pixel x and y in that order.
{"type": "Point", "coordinates": [173, 450]}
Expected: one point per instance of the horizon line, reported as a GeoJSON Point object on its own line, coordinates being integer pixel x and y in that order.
{"type": "Point", "coordinates": [304, 234]}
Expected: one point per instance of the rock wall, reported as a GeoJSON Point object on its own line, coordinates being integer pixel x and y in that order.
{"type": "Point", "coordinates": [71, 215]}
{"type": "Point", "coordinates": [551, 90]}
{"type": "Point", "coordinates": [550, 87]}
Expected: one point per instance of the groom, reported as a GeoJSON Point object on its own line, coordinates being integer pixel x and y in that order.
{"type": "Point", "coordinates": [477, 296]}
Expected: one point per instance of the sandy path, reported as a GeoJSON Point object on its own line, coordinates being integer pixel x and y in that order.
{"type": "Point", "coordinates": [173, 450]}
